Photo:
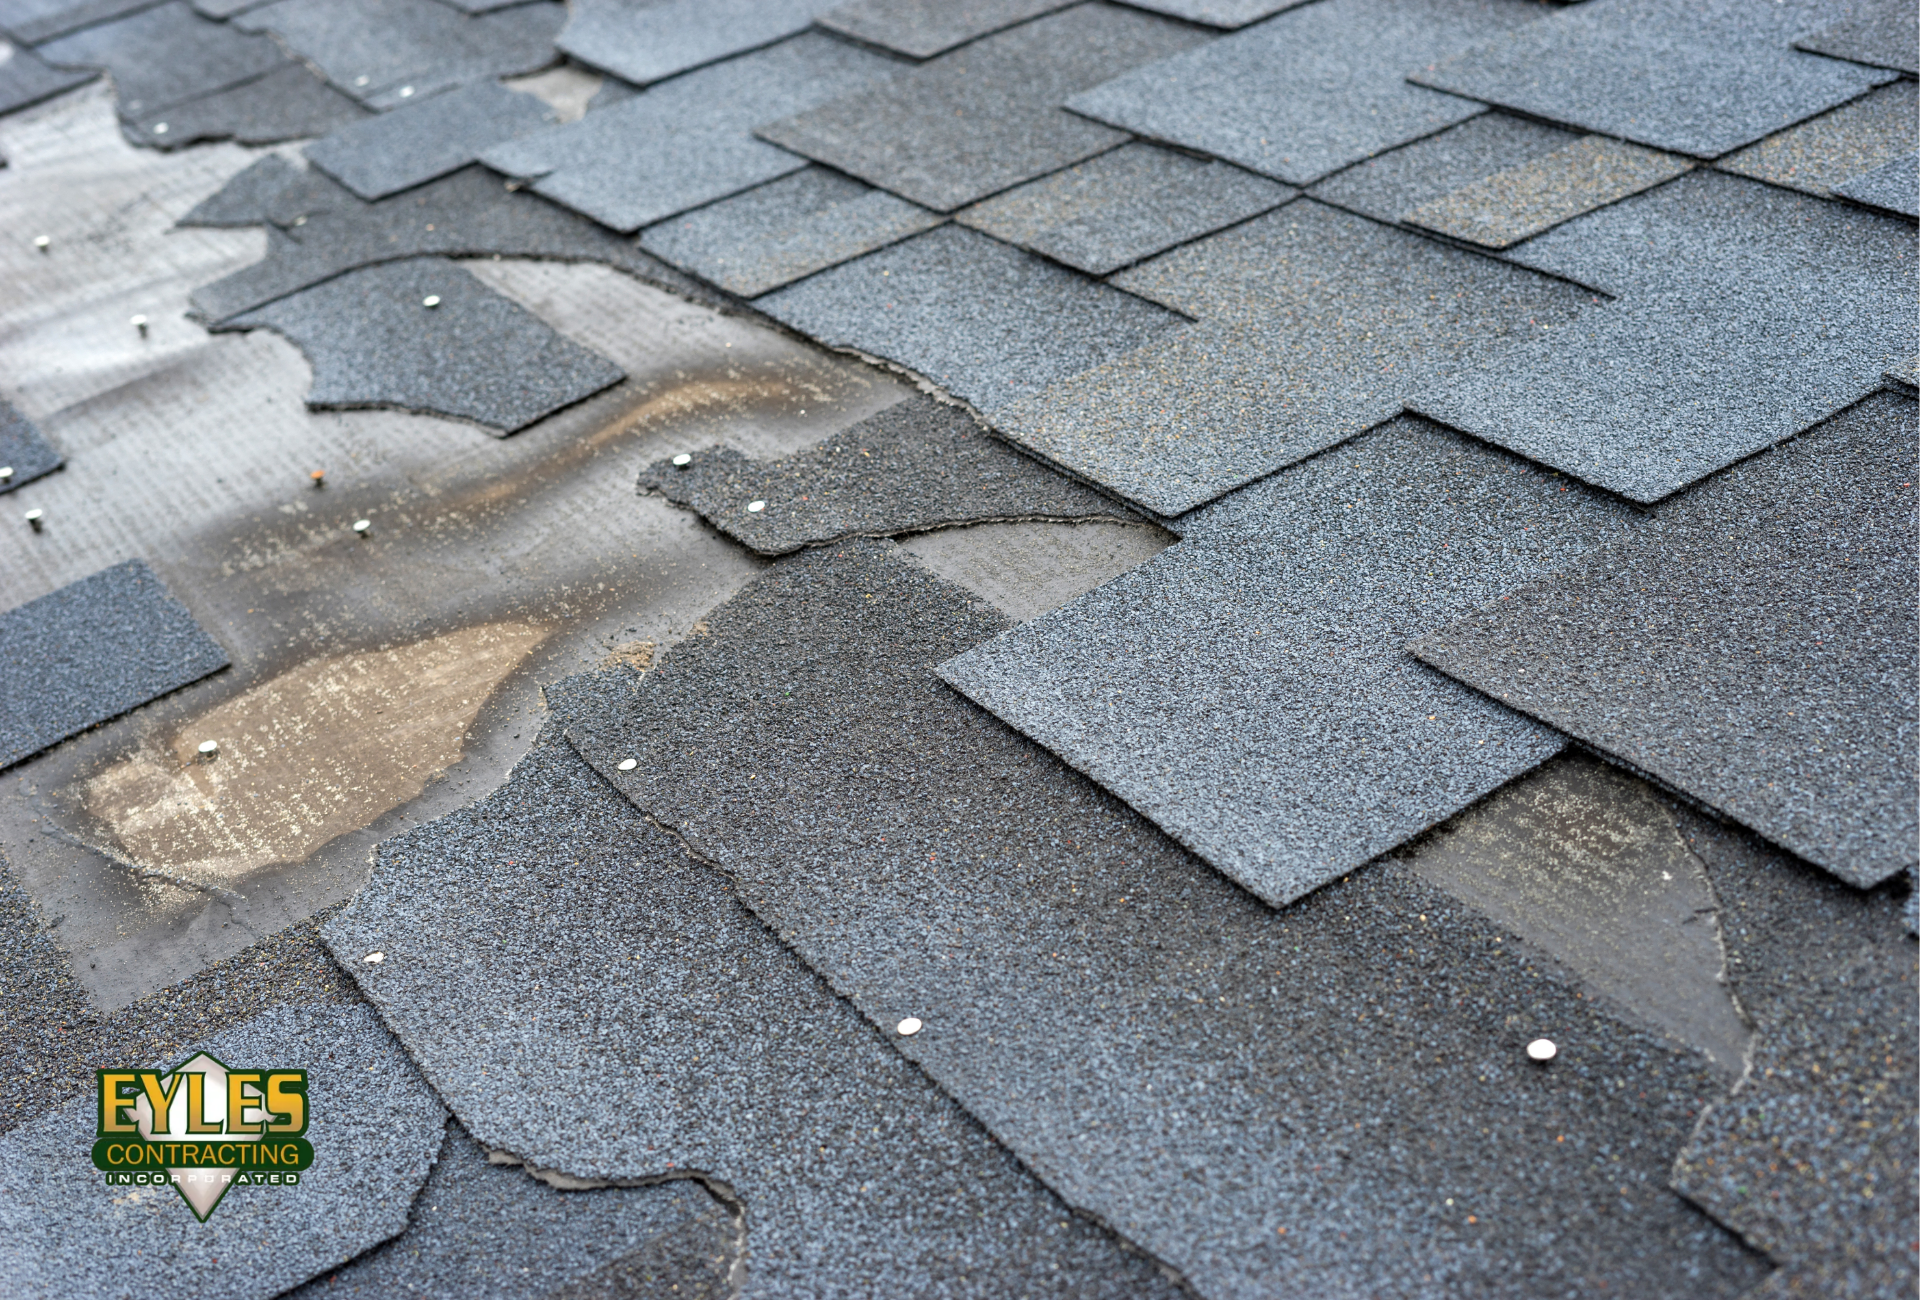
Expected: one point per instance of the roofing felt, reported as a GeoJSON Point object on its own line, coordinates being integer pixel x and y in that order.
{"type": "Point", "coordinates": [375, 341]}
{"type": "Point", "coordinates": [1302, 95]}
{"type": "Point", "coordinates": [23, 450]}
{"type": "Point", "coordinates": [1246, 689]}
{"type": "Point", "coordinates": [989, 323]}
{"type": "Point", "coordinates": [91, 651]}
{"type": "Point", "coordinates": [32, 22]}
{"type": "Point", "coordinates": [375, 1127]}
{"type": "Point", "coordinates": [1893, 186]}
{"type": "Point", "coordinates": [1696, 78]}
{"type": "Point", "coordinates": [1753, 649]}
{"type": "Point", "coordinates": [494, 1230]}
{"type": "Point", "coordinates": [1516, 204]}
{"type": "Point", "coordinates": [1273, 1103]}
{"type": "Point", "coordinates": [921, 29]}
{"type": "Point", "coordinates": [688, 142]}
{"type": "Point", "coordinates": [785, 230]}
{"type": "Point", "coordinates": [1124, 205]}
{"type": "Point", "coordinates": [165, 55]}
{"type": "Point", "coordinates": [1811, 1159]}
{"type": "Point", "coordinates": [596, 955]}
{"type": "Point", "coordinates": [385, 52]}
{"type": "Point", "coordinates": [1825, 151]}
{"type": "Point", "coordinates": [986, 116]}
{"type": "Point", "coordinates": [26, 79]}
{"type": "Point", "coordinates": [290, 103]}
{"type": "Point", "coordinates": [1877, 32]}
{"type": "Point", "coordinates": [915, 465]}
{"type": "Point", "coordinates": [1313, 325]}
{"type": "Point", "coordinates": [426, 138]}
{"type": "Point", "coordinates": [1400, 180]}
{"type": "Point", "coordinates": [1746, 314]}
{"type": "Point", "coordinates": [643, 41]}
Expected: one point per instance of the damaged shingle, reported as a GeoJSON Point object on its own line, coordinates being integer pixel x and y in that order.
{"type": "Point", "coordinates": [290, 103]}
{"type": "Point", "coordinates": [921, 29]}
{"type": "Point", "coordinates": [1518, 203]}
{"type": "Point", "coordinates": [427, 138]}
{"type": "Point", "coordinates": [1824, 152]}
{"type": "Point", "coordinates": [24, 450]}
{"type": "Point", "coordinates": [166, 55]}
{"type": "Point", "coordinates": [643, 41]}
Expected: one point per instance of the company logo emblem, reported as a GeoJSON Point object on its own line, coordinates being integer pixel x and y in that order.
{"type": "Point", "coordinates": [201, 1128]}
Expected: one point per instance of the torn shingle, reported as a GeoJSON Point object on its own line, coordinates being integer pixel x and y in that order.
{"type": "Point", "coordinates": [1125, 205]}
{"type": "Point", "coordinates": [689, 142]}
{"type": "Point", "coordinates": [1403, 179]}
{"type": "Point", "coordinates": [1825, 151]}
{"type": "Point", "coordinates": [91, 651]}
{"type": "Point", "coordinates": [24, 450]}
{"type": "Point", "coordinates": [1754, 649]}
{"type": "Point", "coordinates": [989, 323]}
{"type": "Point", "coordinates": [473, 355]}
{"type": "Point", "coordinates": [1518, 203]}
{"type": "Point", "coordinates": [1880, 33]}
{"type": "Point", "coordinates": [914, 466]}
{"type": "Point", "coordinates": [921, 29]}
{"type": "Point", "coordinates": [785, 230]}
{"type": "Point", "coordinates": [1275, 1104]}
{"type": "Point", "coordinates": [426, 138]}
{"type": "Point", "coordinates": [1746, 314]}
{"type": "Point", "coordinates": [987, 116]}
{"type": "Point", "coordinates": [643, 41]}
{"type": "Point", "coordinates": [245, 198]}
{"type": "Point", "coordinates": [290, 103]}
{"type": "Point", "coordinates": [1310, 91]}
{"type": "Point", "coordinates": [164, 56]}
{"type": "Point", "coordinates": [26, 79]}
{"type": "Point", "coordinates": [35, 22]}
{"type": "Point", "coordinates": [1313, 325]}
{"type": "Point", "coordinates": [1892, 186]}
{"type": "Point", "coordinates": [596, 957]}
{"type": "Point", "coordinates": [1811, 1159]}
{"type": "Point", "coordinates": [1695, 78]}
{"type": "Point", "coordinates": [1246, 689]}
{"type": "Point", "coordinates": [375, 1129]}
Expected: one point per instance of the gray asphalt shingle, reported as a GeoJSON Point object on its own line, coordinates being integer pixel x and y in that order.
{"type": "Point", "coordinates": [1310, 91]}
{"type": "Point", "coordinates": [164, 56]}
{"type": "Point", "coordinates": [426, 138]}
{"type": "Point", "coordinates": [1893, 186]}
{"type": "Point", "coordinates": [1500, 210]}
{"type": "Point", "coordinates": [34, 22]}
{"type": "Point", "coordinates": [27, 79]}
{"type": "Point", "coordinates": [24, 450]}
{"type": "Point", "coordinates": [921, 29]}
{"type": "Point", "coordinates": [1400, 180]}
{"type": "Point", "coordinates": [1753, 649]}
{"type": "Point", "coordinates": [987, 116]}
{"type": "Point", "coordinates": [1823, 152]}
{"type": "Point", "coordinates": [643, 41]}
{"type": "Point", "coordinates": [1881, 33]}
{"type": "Point", "coordinates": [1217, 13]}
{"type": "Point", "coordinates": [290, 103]}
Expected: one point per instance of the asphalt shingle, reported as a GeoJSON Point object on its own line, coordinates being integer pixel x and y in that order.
{"type": "Point", "coordinates": [1400, 180]}
{"type": "Point", "coordinates": [1217, 13]}
{"type": "Point", "coordinates": [1275, 1104]}
{"type": "Point", "coordinates": [643, 41]}
{"type": "Point", "coordinates": [1125, 205]}
{"type": "Point", "coordinates": [91, 651]}
{"type": "Point", "coordinates": [1310, 91]}
{"type": "Point", "coordinates": [785, 230]}
{"type": "Point", "coordinates": [34, 22]}
{"type": "Point", "coordinates": [1893, 186]}
{"type": "Point", "coordinates": [1519, 203]}
{"type": "Point", "coordinates": [164, 56]}
{"type": "Point", "coordinates": [921, 29]}
{"type": "Point", "coordinates": [1754, 648]}
{"type": "Point", "coordinates": [290, 103]}
{"type": "Point", "coordinates": [1696, 78]}
{"type": "Point", "coordinates": [27, 79]}
{"type": "Point", "coordinates": [987, 116]}
{"type": "Point", "coordinates": [1823, 152]}
{"type": "Point", "coordinates": [426, 138]}
{"type": "Point", "coordinates": [473, 354]}
{"type": "Point", "coordinates": [689, 142]}
{"type": "Point", "coordinates": [24, 451]}
{"type": "Point", "coordinates": [1881, 33]}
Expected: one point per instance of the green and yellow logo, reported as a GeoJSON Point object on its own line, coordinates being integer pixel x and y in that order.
{"type": "Point", "coordinates": [202, 1128]}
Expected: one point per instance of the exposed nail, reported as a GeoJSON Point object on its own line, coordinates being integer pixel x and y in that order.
{"type": "Point", "coordinates": [42, 242]}
{"type": "Point", "coordinates": [682, 461]}
{"type": "Point", "coordinates": [431, 300]}
{"type": "Point", "coordinates": [359, 81]}
{"type": "Point", "coordinates": [159, 128]}
{"type": "Point", "coordinates": [406, 92]}
{"type": "Point", "coordinates": [755, 507]}
{"type": "Point", "coordinates": [6, 473]}
{"type": "Point", "coordinates": [1542, 1049]}
{"type": "Point", "coordinates": [628, 764]}
{"type": "Point", "coordinates": [363, 526]}
{"type": "Point", "coordinates": [139, 323]}
{"type": "Point", "coordinates": [909, 1027]}
{"type": "Point", "coordinates": [209, 750]}
{"type": "Point", "coordinates": [375, 958]}
{"type": "Point", "coordinates": [319, 477]}
{"type": "Point", "coordinates": [34, 518]}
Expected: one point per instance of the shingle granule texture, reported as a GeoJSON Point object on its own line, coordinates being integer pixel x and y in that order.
{"type": "Point", "coordinates": [1313, 325]}
{"type": "Point", "coordinates": [921, 29]}
{"type": "Point", "coordinates": [164, 55]}
{"type": "Point", "coordinates": [1123, 206]}
{"type": "Point", "coordinates": [688, 142]}
{"type": "Point", "coordinates": [475, 355]}
{"type": "Point", "coordinates": [596, 959]}
{"type": "Point", "coordinates": [987, 116]}
{"type": "Point", "coordinates": [1217, 13]}
{"type": "Point", "coordinates": [1746, 314]}
{"type": "Point", "coordinates": [1310, 91]}
{"type": "Point", "coordinates": [289, 103]}
{"type": "Point", "coordinates": [988, 323]}
{"type": "Point", "coordinates": [1881, 33]}
{"type": "Point", "coordinates": [1811, 1159]}
{"type": "Point", "coordinates": [248, 195]}
{"type": "Point", "coordinates": [23, 449]}
{"type": "Point", "coordinates": [1170, 1055]}
{"type": "Point", "coordinates": [91, 651]}
{"type": "Point", "coordinates": [487, 1230]}
{"type": "Point", "coordinates": [34, 22]}
{"type": "Point", "coordinates": [1824, 151]}
{"type": "Point", "coordinates": [386, 52]}
{"type": "Point", "coordinates": [914, 466]}
{"type": "Point", "coordinates": [1403, 179]}
{"type": "Point", "coordinates": [1519, 203]}
{"type": "Point", "coordinates": [785, 230]}
{"type": "Point", "coordinates": [375, 1130]}
{"type": "Point", "coordinates": [26, 79]}
{"type": "Point", "coordinates": [1246, 689]}
{"type": "Point", "coordinates": [643, 41]}
{"type": "Point", "coordinates": [426, 138]}
{"type": "Point", "coordinates": [1892, 186]}
{"type": "Point", "coordinates": [1698, 77]}
{"type": "Point", "coordinates": [1755, 647]}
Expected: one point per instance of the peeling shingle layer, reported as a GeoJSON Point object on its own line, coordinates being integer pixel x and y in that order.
{"type": "Point", "coordinates": [643, 41]}
{"type": "Point", "coordinates": [921, 29]}
{"type": "Point", "coordinates": [1518, 203]}
{"type": "Point", "coordinates": [23, 449]}
{"type": "Point", "coordinates": [426, 138]}
{"type": "Point", "coordinates": [1825, 151]}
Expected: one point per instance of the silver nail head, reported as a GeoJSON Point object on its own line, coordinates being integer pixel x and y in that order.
{"type": "Point", "coordinates": [431, 300]}
{"type": "Point", "coordinates": [406, 92]}
{"type": "Point", "coordinates": [682, 461]}
{"type": "Point", "coordinates": [909, 1027]}
{"type": "Point", "coordinates": [35, 519]}
{"type": "Point", "coordinates": [159, 128]}
{"type": "Point", "coordinates": [6, 473]}
{"type": "Point", "coordinates": [209, 749]}
{"type": "Point", "coordinates": [755, 507]}
{"type": "Point", "coordinates": [375, 958]}
{"type": "Point", "coordinates": [359, 81]}
{"type": "Point", "coordinates": [363, 526]}
{"type": "Point", "coordinates": [42, 242]}
{"type": "Point", "coordinates": [139, 323]}
{"type": "Point", "coordinates": [1542, 1050]}
{"type": "Point", "coordinates": [628, 764]}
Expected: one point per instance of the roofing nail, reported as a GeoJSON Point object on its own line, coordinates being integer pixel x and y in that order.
{"type": "Point", "coordinates": [42, 242]}
{"type": "Point", "coordinates": [1542, 1050]}
{"type": "Point", "coordinates": [682, 461]}
{"type": "Point", "coordinates": [431, 300]}
{"type": "Point", "coordinates": [375, 958]}
{"type": "Point", "coordinates": [909, 1027]}
{"type": "Point", "coordinates": [363, 526]}
{"type": "Point", "coordinates": [628, 764]}
{"type": "Point", "coordinates": [6, 473]}
{"type": "Point", "coordinates": [159, 128]}
{"type": "Point", "coordinates": [319, 477]}
{"type": "Point", "coordinates": [406, 92]}
{"type": "Point", "coordinates": [755, 507]}
{"type": "Point", "coordinates": [34, 518]}
{"type": "Point", "coordinates": [209, 750]}
{"type": "Point", "coordinates": [139, 323]}
{"type": "Point", "coordinates": [359, 81]}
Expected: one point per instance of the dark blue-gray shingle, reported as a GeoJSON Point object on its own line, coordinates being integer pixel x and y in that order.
{"type": "Point", "coordinates": [1881, 33]}
{"type": "Point", "coordinates": [164, 56]}
{"type": "Point", "coordinates": [289, 103]}
{"type": "Point", "coordinates": [1823, 152]}
{"type": "Point", "coordinates": [426, 138]}
{"type": "Point", "coordinates": [1398, 181]}
{"type": "Point", "coordinates": [1893, 186]}
{"type": "Point", "coordinates": [644, 41]}
{"type": "Point", "coordinates": [921, 29]}
{"type": "Point", "coordinates": [23, 449]}
{"type": "Point", "coordinates": [26, 79]}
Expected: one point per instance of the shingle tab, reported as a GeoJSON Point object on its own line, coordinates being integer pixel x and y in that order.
{"type": "Point", "coordinates": [35, 22]}
{"type": "Point", "coordinates": [1310, 91]}
{"type": "Point", "coordinates": [1217, 13]}
{"type": "Point", "coordinates": [290, 103]}
{"type": "Point", "coordinates": [644, 41]}
{"type": "Point", "coordinates": [1755, 649]}
{"type": "Point", "coordinates": [1823, 152]}
{"type": "Point", "coordinates": [987, 116]}
{"type": "Point", "coordinates": [921, 29]}
{"type": "Point", "coordinates": [1519, 203]}
{"type": "Point", "coordinates": [26, 79]}
{"type": "Point", "coordinates": [165, 55]}
{"type": "Point", "coordinates": [427, 138]}
{"type": "Point", "coordinates": [1881, 33]}
{"type": "Point", "coordinates": [1893, 186]}
{"type": "Point", "coordinates": [23, 449]}
{"type": "Point", "coordinates": [1400, 180]}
